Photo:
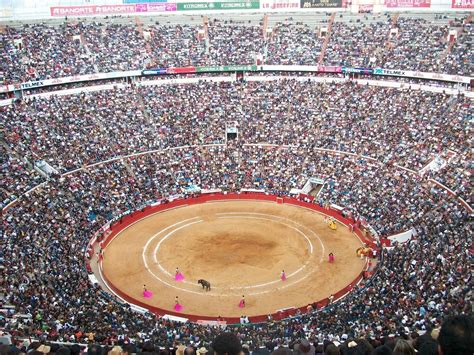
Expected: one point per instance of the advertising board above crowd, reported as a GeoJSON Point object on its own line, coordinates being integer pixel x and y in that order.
{"type": "Point", "coordinates": [238, 68]}
{"type": "Point", "coordinates": [141, 7]}
{"type": "Point", "coordinates": [408, 3]}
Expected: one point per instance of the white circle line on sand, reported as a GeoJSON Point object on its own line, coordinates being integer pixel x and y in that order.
{"type": "Point", "coordinates": [153, 274]}
{"type": "Point", "coordinates": [155, 252]}
{"type": "Point", "coordinates": [162, 231]}
{"type": "Point", "coordinates": [140, 220]}
{"type": "Point", "coordinates": [207, 294]}
{"type": "Point", "coordinates": [163, 239]}
{"type": "Point", "coordinates": [232, 288]}
{"type": "Point", "coordinates": [287, 219]}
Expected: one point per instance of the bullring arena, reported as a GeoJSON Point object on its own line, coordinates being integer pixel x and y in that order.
{"type": "Point", "coordinates": [241, 244]}
{"type": "Point", "coordinates": [300, 180]}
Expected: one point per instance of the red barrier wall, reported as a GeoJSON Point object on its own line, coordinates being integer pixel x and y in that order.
{"type": "Point", "coordinates": [127, 220]}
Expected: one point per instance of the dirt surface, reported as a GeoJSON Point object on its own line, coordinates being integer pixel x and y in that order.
{"type": "Point", "coordinates": [241, 248]}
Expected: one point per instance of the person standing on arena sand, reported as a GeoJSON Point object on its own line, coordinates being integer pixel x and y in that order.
{"type": "Point", "coordinates": [178, 276]}
{"type": "Point", "coordinates": [146, 293]}
{"type": "Point", "coordinates": [100, 255]}
{"type": "Point", "coordinates": [330, 299]}
{"type": "Point", "coordinates": [331, 258]}
{"type": "Point", "coordinates": [242, 302]}
{"type": "Point", "coordinates": [177, 306]}
{"type": "Point", "coordinates": [332, 224]}
{"type": "Point", "coordinates": [283, 275]}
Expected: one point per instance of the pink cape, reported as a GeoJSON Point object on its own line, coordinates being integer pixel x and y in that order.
{"type": "Point", "coordinates": [147, 294]}
{"type": "Point", "coordinates": [179, 276]}
{"type": "Point", "coordinates": [283, 277]}
{"type": "Point", "coordinates": [177, 307]}
{"type": "Point", "coordinates": [331, 258]}
{"type": "Point", "coordinates": [241, 304]}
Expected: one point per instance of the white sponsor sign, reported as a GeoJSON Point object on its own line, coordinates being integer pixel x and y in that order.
{"type": "Point", "coordinates": [422, 75]}
{"type": "Point", "coordinates": [279, 4]}
{"type": "Point", "coordinates": [71, 79]}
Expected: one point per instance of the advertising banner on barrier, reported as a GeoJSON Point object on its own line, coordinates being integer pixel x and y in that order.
{"type": "Point", "coordinates": [181, 70]}
{"type": "Point", "coordinates": [364, 71]}
{"type": "Point", "coordinates": [408, 3]}
{"type": "Point", "coordinates": [366, 8]}
{"type": "Point", "coordinates": [279, 4]}
{"type": "Point", "coordinates": [110, 9]}
{"type": "Point", "coordinates": [218, 5]}
{"type": "Point", "coordinates": [141, 1]}
{"type": "Point", "coordinates": [391, 72]}
{"type": "Point", "coordinates": [154, 71]}
{"type": "Point", "coordinates": [226, 68]}
{"type": "Point", "coordinates": [315, 4]}
{"type": "Point", "coordinates": [422, 75]}
{"type": "Point", "coordinates": [462, 4]}
{"type": "Point", "coordinates": [77, 78]}
{"type": "Point", "coordinates": [230, 68]}
{"type": "Point", "coordinates": [302, 68]}
{"type": "Point", "coordinates": [329, 69]}
{"type": "Point", "coordinates": [32, 84]}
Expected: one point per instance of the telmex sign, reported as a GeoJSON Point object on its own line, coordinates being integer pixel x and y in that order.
{"type": "Point", "coordinates": [32, 84]}
{"type": "Point", "coordinates": [380, 71]}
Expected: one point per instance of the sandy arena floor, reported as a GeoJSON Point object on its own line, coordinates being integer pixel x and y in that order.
{"type": "Point", "coordinates": [241, 247]}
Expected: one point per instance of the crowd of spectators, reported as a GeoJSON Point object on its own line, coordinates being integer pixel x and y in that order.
{"type": "Point", "coordinates": [40, 51]}
{"type": "Point", "coordinates": [46, 235]}
{"type": "Point", "coordinates": [456, 173]}
{"type": "Point", "coordinates": [456, 60]}
{"type": "Point", "coordinates": [293, 43]}
{"type": "Point", "coordinates": [367, 144]}
{"type": "Point", "coordinates": [409, 43]}
{"type": "Point", "coordinates": [173, 46]}
{"type": "Point", "coordinates": [17, 176]}
{"type": "Point", "coordinates": [454, 337]}
{"type": "Point", "coordinates": [403, 127]}
{"type": "Point", "coordinates": [354, 44]}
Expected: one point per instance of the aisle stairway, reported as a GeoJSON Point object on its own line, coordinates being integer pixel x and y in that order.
{"type": "Point", "coordinates": [326, 40]}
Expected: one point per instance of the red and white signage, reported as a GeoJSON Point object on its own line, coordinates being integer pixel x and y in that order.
{"type": "Point", "coordinates": [364, 8]}
{"type": "Point", "coordinates": [408, 3]}
{"type": "Point", "coordinates": [462, 4]}
{"type": "Point", "coordinates": [110, 9]}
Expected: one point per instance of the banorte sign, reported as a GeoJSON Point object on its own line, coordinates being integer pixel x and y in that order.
{"type": "Point", "coordinates": [60, 11]}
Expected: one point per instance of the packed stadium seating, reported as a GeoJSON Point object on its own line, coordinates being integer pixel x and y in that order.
{"type": "Point", "coordinates": [84, 47]}
{"type": "Point", "coordinates": [372, 145]}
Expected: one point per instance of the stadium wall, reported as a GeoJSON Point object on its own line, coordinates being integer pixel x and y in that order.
{"type": "Point", "coordinates": [348, 71]}
{"type": "Point", "coordinates": [176, 81]}
{"type": "Point", "coordinates": [16, 10]}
